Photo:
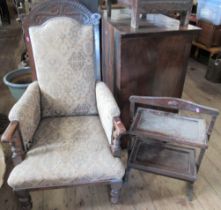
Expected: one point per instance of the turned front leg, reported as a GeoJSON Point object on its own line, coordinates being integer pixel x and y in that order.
{"type": "Point", "coordinates": [24, 199]}
{"type": "Point", "coordinates": [115, 191]}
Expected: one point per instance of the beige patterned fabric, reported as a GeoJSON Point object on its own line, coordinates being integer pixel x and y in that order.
{"type": "Point", "coordinates": [2, 165]}
{"type": "Point", "coordinates": [27, 112]}
{"type": "Point", "coordinates": [63, 54]}
{"type": "Point", "coordinates": [107, 108]}
{"type": "Point", "coordinates": [69, 150]}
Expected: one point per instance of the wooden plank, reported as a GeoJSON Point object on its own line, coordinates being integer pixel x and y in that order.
{"type": "Point", "coordinates": [136, 193]}
{"type": "Point", "coordinates": [54, 199]}
{"type": "Point", "coordinates": [161, 196]}
{"type": "Point", "coordinates": [38, 198]}
{"type": "Point", "coordinates": [178, 190]}
{"type": "Point", "coordinates": [205, 194]}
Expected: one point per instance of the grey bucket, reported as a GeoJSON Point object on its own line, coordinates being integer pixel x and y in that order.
{"type": "Point", "coordinates": [17, 81]}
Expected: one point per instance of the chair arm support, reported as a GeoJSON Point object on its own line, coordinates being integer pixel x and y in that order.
{"type": "Point", "coordinates": [27, 113]}
{"type": "Point", "coordinates": [119, 127]}
{"type": "Point", "coordinates": [12, 136]}
{"type": "Point", "coordinates": [109, 113]}
{"type": "Point", "coordinates": [107, 108]}
{"type": "Point", "coordinates": [118, 131]}
{"type": "Point", "coordinates": [7, 136]}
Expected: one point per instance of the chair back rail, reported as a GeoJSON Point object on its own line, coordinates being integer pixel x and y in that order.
{"type": "Point", "coordinates": [62, 8]}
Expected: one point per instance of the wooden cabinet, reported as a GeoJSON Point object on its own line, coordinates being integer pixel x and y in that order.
{"type": "Point", "coordinates": [210, 35]}
{"type": "Point", "coordinates": [149, 61]}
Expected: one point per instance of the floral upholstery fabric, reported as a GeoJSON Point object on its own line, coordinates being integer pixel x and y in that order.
{"type": "Point", "coordinates": [63, 54]}
{"type": "Point", "coordinates": [107, 108]}
{"type": "Point", "coordinates": [27, 112]}
{"type": "Point", "coordinates": [68, 150]}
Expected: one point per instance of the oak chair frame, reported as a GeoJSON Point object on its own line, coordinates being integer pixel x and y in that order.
{"type": "Point", "coordinates": [12, 135]}
{"type": "Point", "coordinates": [171, 105]}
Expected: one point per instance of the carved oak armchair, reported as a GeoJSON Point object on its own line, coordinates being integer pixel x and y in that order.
{"type": "Point", "coordinates": [65, 129]}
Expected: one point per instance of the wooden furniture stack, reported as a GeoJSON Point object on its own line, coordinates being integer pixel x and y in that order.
{"type": "Point", "coordinates": [150, 6]}
{"type": "Point", "coordinates": [166, 143]}
{"type": "Point", "coordinates": [148, 61]}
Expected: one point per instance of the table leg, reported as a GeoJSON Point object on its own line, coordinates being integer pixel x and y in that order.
{"type": "Point", "coordinates": [109, 5]}
{"type": "Point", "coordinates": [135, 14]}
{"type": "Point", "coordinates": [196, 53]}
{"type": "Point", "coordinates": [190, 190]}
{"type": "Point", "coordinates": [126, 175]}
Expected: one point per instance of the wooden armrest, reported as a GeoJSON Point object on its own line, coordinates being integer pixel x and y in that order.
{"type": "Point", "coordinates": [118, 131]}
{"type": "Point", "coordinates": [7, 136]}
{"type": "Point", "coordinates": [13, 137]}
{"type": "Point", "coordinates": [118, 126]}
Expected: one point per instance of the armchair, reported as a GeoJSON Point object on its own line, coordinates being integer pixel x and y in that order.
{"type": "Point", "coordinates": [65, 129]}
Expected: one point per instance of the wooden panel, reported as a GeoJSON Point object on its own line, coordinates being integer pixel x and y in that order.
{"type": "Point", "coordinates": [164, 159]}
{"type": "Point", "coordinates": [108, 61]}
{"type": "Point", "coordinates": [170, 127]}
{"type": "Point", "coordinates": [210, 34]}
{"type": "Point", "coordinates": [56, 8]}
{"type": "Point", "coordinates": [153, 66]}
{"type": "Point", "coordinates": [150, 61]}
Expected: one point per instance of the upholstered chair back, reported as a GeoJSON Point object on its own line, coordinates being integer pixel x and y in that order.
{"type": "Point", "coordinates": [63, 54]}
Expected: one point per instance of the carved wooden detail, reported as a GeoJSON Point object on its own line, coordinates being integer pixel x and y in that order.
{"type": "Point", "coordinates": [57, 8]}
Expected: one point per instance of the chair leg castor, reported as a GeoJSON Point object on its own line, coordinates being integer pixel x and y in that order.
{"type": "Point", "coordinates": [190, 191]}
{"type": "Point", "coordinates": [115, 191]}
{"type": "Point", "coordinates": [24, 199]}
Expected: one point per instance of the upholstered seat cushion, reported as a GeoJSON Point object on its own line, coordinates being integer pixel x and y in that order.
{"type": "Point", "coordinates": [67, 150]}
